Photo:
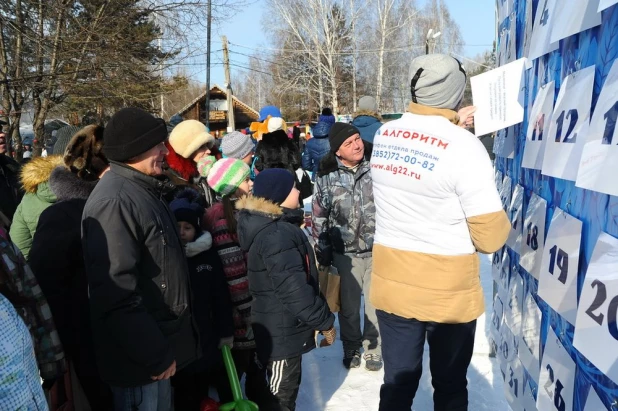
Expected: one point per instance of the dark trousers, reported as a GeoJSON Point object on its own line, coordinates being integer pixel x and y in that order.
{"type": "Point", "coordinates": [284, 381]}
{"type": "Point", "coordinates": [256, 387]}
{"type": "Point", "coordinates": [450, 353]}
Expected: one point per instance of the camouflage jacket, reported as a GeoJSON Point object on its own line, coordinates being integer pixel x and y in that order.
{"type": "Point", "coordinates": [343, 206]}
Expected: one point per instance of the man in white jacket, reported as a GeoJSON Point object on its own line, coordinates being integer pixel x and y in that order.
{"type": "Point", "coordinates": [436, 207]}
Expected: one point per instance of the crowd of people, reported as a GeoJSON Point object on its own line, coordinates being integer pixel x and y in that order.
{"type": "Point", "coordinates": [138, 250]}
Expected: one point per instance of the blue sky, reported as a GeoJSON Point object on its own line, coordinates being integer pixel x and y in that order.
{"type": "Point", "coordinates": [476, 19]}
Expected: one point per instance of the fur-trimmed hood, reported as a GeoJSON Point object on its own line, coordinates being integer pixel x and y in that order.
{"type": "Point", "coordinates": [201, 244]}
{"type": "Point", "coordinates": [67, 186]}
{"type": "Point", "coordinates": [368, 113]}
{"type": "Point", "coordinates": [256, 213]}
{"type": "Point", "coordinates": [259, 205]}
{"type": "Point", "coordinates": [38, 171]}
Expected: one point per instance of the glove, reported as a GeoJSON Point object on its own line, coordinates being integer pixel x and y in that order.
{"type": "Point", "coordinates": [329, 337]}
{"type": "Point", "coordinates": [324, 251]}
{"type": "Point", "coordinates": [229, 341]}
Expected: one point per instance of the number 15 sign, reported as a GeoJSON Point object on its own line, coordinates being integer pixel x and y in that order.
{"type": "Point", "coordinates": [596, 331]}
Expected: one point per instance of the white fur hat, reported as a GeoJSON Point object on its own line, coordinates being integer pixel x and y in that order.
{"type": "Point", "coordinates": [188, 136]}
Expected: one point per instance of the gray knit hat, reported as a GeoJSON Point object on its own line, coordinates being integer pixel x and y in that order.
{"type": "Point", "coordinates": [63, 137]}
{"type": "Point", "coordinates": [237, 145]}
{"type": "Point", "coordinates": [367, 103]}
{"type": "Point", "coordinates": [437, 80]}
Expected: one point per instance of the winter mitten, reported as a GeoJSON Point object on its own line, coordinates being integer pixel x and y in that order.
{"type": "Point", "coordinates": [229, 341]}
{"type": "Point", "coordinates": [329, 337]}
{"type": "Point", "coordinates": [323, 251]}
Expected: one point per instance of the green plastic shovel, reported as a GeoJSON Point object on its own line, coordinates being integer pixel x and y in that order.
{"type": "Point", "coordinates": [239, 403]}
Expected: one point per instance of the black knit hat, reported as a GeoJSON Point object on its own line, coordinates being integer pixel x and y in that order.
{"type": "Point", "coordinates": [339, 133]}
{"type": "Point", "coordinates": [131, 132]}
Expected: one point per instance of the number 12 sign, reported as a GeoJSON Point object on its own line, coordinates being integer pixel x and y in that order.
{"type": "Point", "coordinates": [558, 282]}
{"type": "Point", "coordinates": [599, 160]}
{"type": "Point", "coordinates": [596, 331]}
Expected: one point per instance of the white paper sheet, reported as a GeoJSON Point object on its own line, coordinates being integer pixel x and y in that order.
{"type": "Point", "coordinates": [594, 403]}
{"type": "Point", "coordinates": [598, 306]}
{"type": "Point", "coordinates": [599, 161]}
{"type": "Point", "coordinates": [541, 44]}
{"type": "Point", "coordinates": [574, 16]}
{"type": "Point", "coordinates": [499, 178]}
{"type": "Point", "coordinates": [569, 126]}
{"type": "Point", "coordinates": [528, 402]}
{"type": "Point", "coordinates": [603, 4]}
{"type": "Point", "coordinates": [515, 214]}
{"type": "Point", "coordinates": [557, 379]}
{"type": "Point", "coordinates": [529, 347]}
{"type": "Point", "coordinates": [538, 127]}
{"type": "Point", "coordinates": [499, 98]}
{"type": "Point", "coordinates": [532, 242]}
{"type": "Point", "coordinates": [504, 143]}
{"type": "Point", "coordinates": [506, 192]}
{"type": "Point", "coordinates": [514, 383]}
{"type": "Point", "coordinates": [558, 280]}
{"type": "Point", "coordinates": [514, 304]}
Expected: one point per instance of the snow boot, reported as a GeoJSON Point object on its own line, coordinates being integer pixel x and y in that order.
{"type": "Point", "coordinates": [351, 359]}
{"type": "Point", "coordinates": [373, 361]}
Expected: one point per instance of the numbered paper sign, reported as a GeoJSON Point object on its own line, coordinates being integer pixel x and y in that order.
{"type": "Point", "coordinates": [514, 304]}
{"type": "Point", "coordinates": [538, 127]}
{"type": "Point", "coordinates": [504, 143]}
{"type": "Point", "coordinates": [506, 192]}
{"type": "Point", "coordinates": [573, 17]}
{"type": "Point", "coordinates": [529, 350]}
{"type": "Point", "coordinates": [532, 243]}
{"type": "Point", "coordinates": [558, 281]}
{"type": "Point", "coordinates": [515, 214]}
{"type": "Point", "coordinates": [594, 403]}
{"type": "Point", "coordinates": [557, 378]}
{"type": "Point", "coordinates": [528, 401]}
{"type": "Point", "coordinates": [569, 127]}
{"type": "Point", "coordinates": [598, 307]}
{"type": "Point", "coordinates": [541, 35]}
{"type": "Point", "coordinates": [507, 350]}
{"type": "Point", "coordinates": [603, 4]}
{"type": "Point", "coordinates": [514, 383]}
{"type": "Point", "coordinates": [599, 160]}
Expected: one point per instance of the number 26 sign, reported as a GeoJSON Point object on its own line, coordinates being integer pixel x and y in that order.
{"type": "Point", "coordinates": [598, 307]}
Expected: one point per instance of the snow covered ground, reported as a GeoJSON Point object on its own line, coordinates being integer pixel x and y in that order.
{"type": "Point", "coordinates": [326, 385]}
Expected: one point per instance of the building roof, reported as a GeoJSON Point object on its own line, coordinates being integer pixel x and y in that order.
{"type": "Point", "coordinates": [222, 91]}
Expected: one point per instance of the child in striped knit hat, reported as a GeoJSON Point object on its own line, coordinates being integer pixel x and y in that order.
{"type": "Point", "coordinates": [229, 178]}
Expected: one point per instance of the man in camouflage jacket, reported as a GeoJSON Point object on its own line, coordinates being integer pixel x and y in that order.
{"type": "Point", "coordinates": [343, 227]}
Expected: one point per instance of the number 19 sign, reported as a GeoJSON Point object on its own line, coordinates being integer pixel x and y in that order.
{"type": "Point", "coordinates": [558, 282]}
{"type": "Point", "coordinates": [596, 331]}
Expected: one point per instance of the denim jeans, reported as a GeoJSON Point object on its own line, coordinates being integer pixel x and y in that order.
{"type": "Point", "coordinates": [156, 396]}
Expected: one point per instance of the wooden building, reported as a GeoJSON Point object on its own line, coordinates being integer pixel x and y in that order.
{"type": "Point", "coordinates": [196, 110]}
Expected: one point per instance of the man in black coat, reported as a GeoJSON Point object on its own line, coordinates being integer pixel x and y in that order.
{"type": "Point", "coordinates": [10, 191]}
{"type": "Point", "coordinates": [137, 273]}
{"type": "Point", "coordinates": [287, 306]}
